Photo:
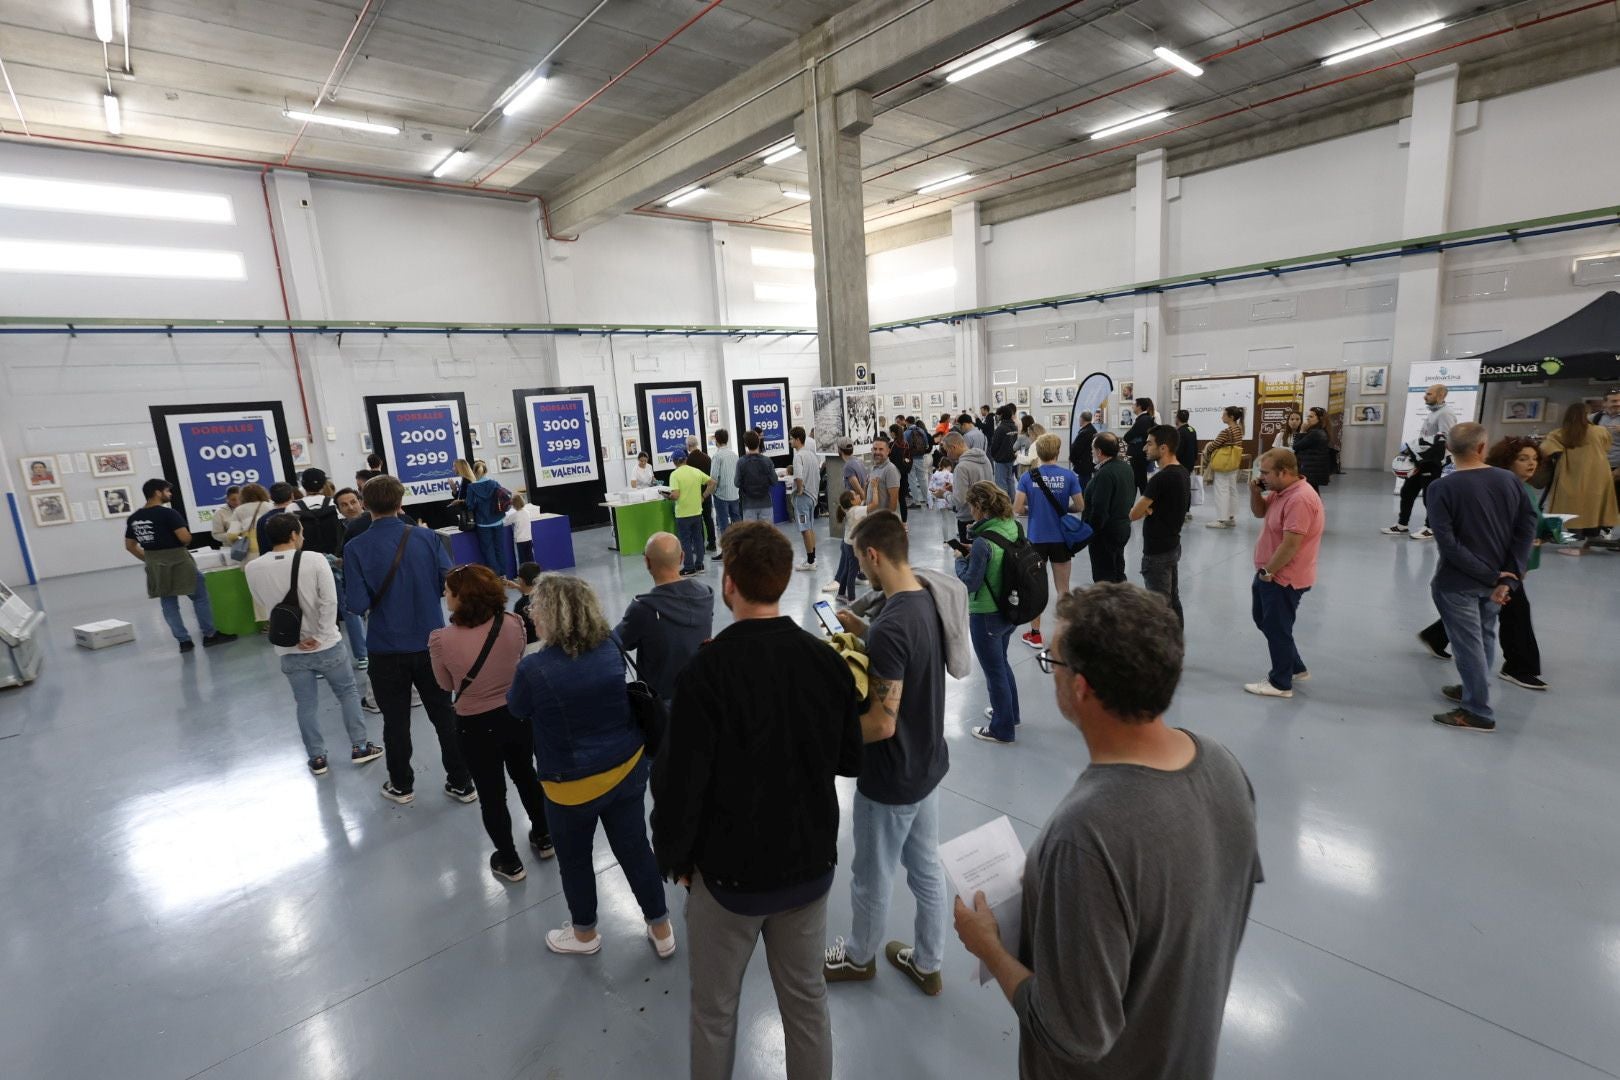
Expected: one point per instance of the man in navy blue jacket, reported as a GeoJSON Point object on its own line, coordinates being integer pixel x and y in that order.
{"type": "Point", "coordinates": [395, 573]}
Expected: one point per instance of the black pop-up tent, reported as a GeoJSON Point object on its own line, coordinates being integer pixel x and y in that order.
{"type": "Point", "coordinates": [1586, 345]}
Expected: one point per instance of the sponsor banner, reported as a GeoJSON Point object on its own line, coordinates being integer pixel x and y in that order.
{"type": "Point", "coordinates": [562, 438]}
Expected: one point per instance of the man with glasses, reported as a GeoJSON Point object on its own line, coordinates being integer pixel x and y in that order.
{"type": "Point", "coordinates": [1137, 890]}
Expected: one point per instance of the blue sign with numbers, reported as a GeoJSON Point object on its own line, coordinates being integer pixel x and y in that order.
{"type": "Point", "coordinates": [221, 454]}
{"type": "Point", "coordinates": [674, 420]}
{"type": "Point", "coordinates": [422, 443]}
{"type": "Point", "coordinates": [765, 408]}
{"type": "Point", "coordinates": [562, 440]}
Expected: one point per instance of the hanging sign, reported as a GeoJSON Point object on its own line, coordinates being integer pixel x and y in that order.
{"type": "Point", "coordinates": [562, 438]}
{"type": "Point", "coordinates": [672, 418]}
{"type": "Point", "coordinates": [765, 408]}
{"type": "Point", "coordinates": [420, 439]}
{"type": "Point", "coordinates": [207, 450]}
{"type": "Point", "coordinates": [1461, 380]}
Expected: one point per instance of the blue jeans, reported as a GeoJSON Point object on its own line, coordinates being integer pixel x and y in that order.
{"type": "Point", "coordinates": [199, 603]}
{"type": "Point", "coordinates": [1274, 609]}
{"type": "Point", "coordinates": [848, 567]}
{"type": "Point", "coordinates": [887, 837]}
{"type": "Point", "coordinates": [623, 814]}
{"type": "Point", "coordinates": [301, 670]}
{"type": "Point", "coordinates": [1470, 620]}
{"type": "Point", "coordinates": [767, 514]}
{"type": "Point", "coordinates": [1007, 476]}
{"type": "Point", "coordinates": [990, 634]}
{"type": "Point", "coordinates": [690, 532]}
{"type": "Point", "coordinates": [725, 512]}
{"type": "Point", "coordinates": [490, 547]}
{"type": "Point", "coordinates": [919, 482]}
{"type": "Point", "coordinates": [354, 626]}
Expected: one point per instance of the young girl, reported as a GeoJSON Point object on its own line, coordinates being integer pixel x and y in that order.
{"type": "Point", "coordinates": [939, 487]}
{"type": "Point", "coordinates": [527, 575]}
{"type": "Point", "coordinates": [522, 517]}
{"type": "Point", "coordinates": [851, 509]}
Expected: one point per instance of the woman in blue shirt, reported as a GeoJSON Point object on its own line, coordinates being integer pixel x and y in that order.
{"type": "Point", "coordinates": [482, 496]}
{"type": "Point", "coordinates": [1044, 531]}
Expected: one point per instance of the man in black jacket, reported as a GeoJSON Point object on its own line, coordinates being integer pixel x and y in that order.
{"type": "Point", "coordinates": [1080, 450]}
{"type": "Point", "coordinates": [1003, 449]}
{"type": "Point", "coordinates": [745, 812]}
{"type": "Point", "coordinates": [1109, 498]}
{"type": "Point", "coordinates": [1136, 442]}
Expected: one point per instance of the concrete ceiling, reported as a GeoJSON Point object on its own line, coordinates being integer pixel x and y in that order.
{"type": "Point", "coordinates": [214, 76]}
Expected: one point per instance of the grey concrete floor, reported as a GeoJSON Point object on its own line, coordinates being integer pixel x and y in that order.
{"type": "Point", "coordinates": [181, 898]}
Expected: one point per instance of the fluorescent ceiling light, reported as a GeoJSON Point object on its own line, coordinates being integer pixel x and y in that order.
{"type": "Point", "coordinates": [101, 12]}
{"type": "Point", "coordinates": [340, 121]}
{"type": "Point", "coordinates": [795, 194]}
{"type": "Point", "coordinates": [780, 153]}
{"type": "Point", "coordinates": [1171, 57]}
{"type": "Point", "coordinates": [781, 258]}
{"type": "Point", "coordinates": [684, 196]}
{"type": "Point", "coordinates": [76, 197]}
{"type": "Point", "coordinates": [119, 260]}
{"type": "Point", "coordinates": [115, 115]}
{"type": "Point", "coordinates": [1000, 56]}
{"type": "Point", "coordinates": [941, 185]}
{"type": "Point", "coordinates": [1115, 129]}
{"type": "Point", "coordinates": [1385, 42]}
{"type": "Point", "coordinates": [525, 97]}
{"type": "Point", "coordinates": [451, 160]}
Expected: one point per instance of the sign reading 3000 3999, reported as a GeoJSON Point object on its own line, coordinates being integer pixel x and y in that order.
{"type": "Point", "coordinates": [214, 452]}
{"type": "Point", "coordinates": [422, 440]}
{"type": "Point", "coordinates": [562, 436]}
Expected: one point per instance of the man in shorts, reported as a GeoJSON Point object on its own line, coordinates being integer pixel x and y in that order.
{"type": "Point", "coordinates": [806, 489]}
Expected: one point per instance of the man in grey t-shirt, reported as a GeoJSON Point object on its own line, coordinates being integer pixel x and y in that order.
{"type": "Point", "coordinates": [1138, 888]}
{"type": "Point", "coordinates": [854, 470]}
{"type": "Point", "coordinates": [884, 479]}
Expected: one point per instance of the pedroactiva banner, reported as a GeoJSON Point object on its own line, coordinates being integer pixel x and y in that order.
{"type": "Point", "coordinates": [562, 438]}
{"type": "Point", "coordinates": [420, 439]}
{"type": "Point", "coordinates": [208, 449]}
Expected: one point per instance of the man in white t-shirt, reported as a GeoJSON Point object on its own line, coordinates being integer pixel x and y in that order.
{"type": "Point", "coordinates": [522, 517]}
{"type": "Point", "coordinates": [318, 653]}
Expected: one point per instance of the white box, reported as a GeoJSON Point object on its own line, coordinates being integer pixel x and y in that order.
{"type": "Point", "coordinates": [99, 635]}
{"type": "Point", "coordinates": [210, 559]}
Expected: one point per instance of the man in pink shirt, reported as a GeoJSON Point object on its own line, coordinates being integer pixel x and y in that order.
{"type": "Point", "coordinates": [1284, 562]}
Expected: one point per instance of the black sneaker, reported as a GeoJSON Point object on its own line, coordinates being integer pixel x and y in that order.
{"type": "Point", "coordinates": [1528, 682]}
{"type": "Point", "coordinates": [187, 646]}
{"type": "Point", "coordinates": [541, 845]}
{"type": "Point", "coordinates": [509, 867]}
{"type": "Point", "coordinates": [461, 794]}
{"type": "Point", "coordinates": [317, 765]}
{"type": "Point", "coordinates": [1436, 650]}
{"type": "Point", "coordinates": [362, 754]}
{"type": "Point", "coordinates": [1452, 693]}
{"type": "Point", "coordinates": [1465, 720]}
{"type": "Point", "coordinates": [393, 794]}
{"type": "Point", "coordinates": [218, 637]}
{"type": "Point", "coordinates": [370, 705]}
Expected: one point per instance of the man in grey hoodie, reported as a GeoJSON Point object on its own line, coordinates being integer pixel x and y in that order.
{"type": "Point", "coordinates": [664, 627]}
{"type": "Point", "coordinates": [969, 465]}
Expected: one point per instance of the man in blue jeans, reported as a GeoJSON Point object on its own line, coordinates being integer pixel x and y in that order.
{"type": "Point", "coordinates": [1483, 526]}
{"type": "Point", "coordinates": [1284, 563]}
{"type": "Point", "coordinates": [157, 535]}
{"type": "Point", "coordinates": [896, 795]}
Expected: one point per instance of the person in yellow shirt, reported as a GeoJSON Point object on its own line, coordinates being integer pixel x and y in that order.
{"type": "Point", "coordinates": [689, 487]}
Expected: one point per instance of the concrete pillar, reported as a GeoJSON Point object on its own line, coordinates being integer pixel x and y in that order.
{"type": "Point", "coordinates": [1148, 336]}
{"type": "Point", "coordinates": [967, 254]}
{"type": "Point", "coordinates": [830, 132]}
{"type": "Point", "coordinates": [1425, 212]}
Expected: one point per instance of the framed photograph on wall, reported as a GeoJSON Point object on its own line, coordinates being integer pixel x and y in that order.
{"type": "Point", "coordinates": [39, 472]}
{"type": "Point", "coordinates": [632, 447]}
{"type": "Point", "coordinates": [999, 396]}
{"type": "Point", "coordinates": [1127, 390]}
{"type": "Point", "coordinates": [299, 446]}
{"type": "Point", "coordinates": [915, 403]}
{"type": "Point", "coordinates": [1374, 379]}
{"type": "Point", "coordinates": [628, 422]}
{"type": "Point", "coordinates": [365, 442]}
{"type": "Point", "coordinates": [1524, 410]}
{"type": "Point", "coordinates": [714, 417]}
{"type": "Point", "coordinates": [936, 399]}
{"type": "Point", "coordinates": [1022, 397]}
{"type": "Point", "coordinates": [107, 464]}
{"type": "Point", "coordinates": [116, 501]}
{"type": "Point", "coordinates": [1365, 414]}
{"type": "Point", "coordinates": [508, 463]}
{"type": "Point", "coordinates": [50, 509]}
{"type": "Point", "coordinates": [506, 433]}
{"type": "Point", "coordinates": [477, 433]}
{"type": "Point", "coordinates": [897, 402]}
{"type": "Point", "coordinates": [1058, 421]}
{"type": "Point", "coordinates": [798, 410]}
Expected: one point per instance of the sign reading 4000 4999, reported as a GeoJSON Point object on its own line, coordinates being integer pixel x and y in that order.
{"type": "Point", "coordinates": [422, 440]}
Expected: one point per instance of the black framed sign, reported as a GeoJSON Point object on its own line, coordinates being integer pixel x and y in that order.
{"type": "Point", "coordinates": [420, 436]}
{"type": "Point", "coordinates": [671, 413]}
{"type": "Point", "coordinates": [763, 404]}
{"type": "Point", "coordinates": [207, 449]}
{"type": "Point", "coordinates": [562, 451]}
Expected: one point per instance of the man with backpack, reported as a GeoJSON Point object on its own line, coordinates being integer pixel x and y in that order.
{"type": "Point", "coordinates": [298, 589]}
{"type": "Point", "coordinates": [756, 475]}
{"type": "Point", "coordinates": [922, 449]}
{"type": "Point", "coordinates": [1109, 497]}
{"type": "Point", "coordinates": [318, 516]}
{"type": "Point", "coordinates": [1004, 449]}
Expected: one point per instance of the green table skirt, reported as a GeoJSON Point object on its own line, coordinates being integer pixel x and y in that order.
{"type": "Point", "coordinates": [637, 522]}
{"type": "Point", "coordinates": [232, 603]}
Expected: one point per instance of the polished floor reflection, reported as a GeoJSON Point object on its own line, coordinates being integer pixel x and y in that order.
{"type": "Point", "coordinates": [181, 898]}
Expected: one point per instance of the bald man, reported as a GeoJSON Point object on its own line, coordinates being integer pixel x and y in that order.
{"type": "Point", "coordinates": [665, 626]}
{"type": "Point", "coordinates": [1430, 451]}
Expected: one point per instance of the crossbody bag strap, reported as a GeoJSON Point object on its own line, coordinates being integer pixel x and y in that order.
{"type": "Point", "coordinates": [393, 571]}
{"type": "Point", "coordinates": [1057, 507]}
{"type": "Point", "coordinates": [292, 584]}
{"type": "Point", "coordinates": [495, 625]}
{"type": "Point", "coordinates": [631, 664]}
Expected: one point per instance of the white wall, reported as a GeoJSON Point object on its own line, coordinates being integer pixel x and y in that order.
{"type": "Point", "coordinates": [1074, 249]}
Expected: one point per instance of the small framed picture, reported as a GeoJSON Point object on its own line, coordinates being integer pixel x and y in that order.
{"type": "Point", "coordinates": [956, 400]}
{"type": "Point", "coordinates": [505, 433]}
{"type": "Point", "coordinates": [798, 410]}
{"type": "Point", "coordinates": [508, 463]}
{"type": "Point", "coordinates": [999, 396]}
{"type": "Point", "coordinates": [476, 431]}
{"type": "Point", "coordinates": [897, 401]}
{"type": "Point", "coordinates": [1058, 421]}
{"type": "Point", "coordinates": [1365, 414]}
{"type": "Point", "coordinates": [936, 399]}
{"type": "Point", "coordinates": [713, 416]}
{"type": "Point", "coordinates": [1523, 410]}
{"type": "Point", "coordinates": [116, 501]}
{"type": "Point", "coordinates": [915, 403]}
{"type": "Point", "coordinates": [106, 464]}
{"type": "Point", "coordinates": [1127, 390]}
{"type": "Point", "coordinates": [51, 509]}
{"type": "Point", "coordinates": [1374, 379]}
{"type": "Point", "coordinates": [1022, 397]}
{"type": "Point", "coordinates": [632, 447]}
{"type": "Point", "coordinates": [39, 472]}
{"type": "Point", "coordinates": [1127, 416]}
{"type": "Point", "coordinates": [300, 451]}
{"type": "Point", "coordinates": [627, 421]}
{"type": "Point", "coordinates": [365, 442]}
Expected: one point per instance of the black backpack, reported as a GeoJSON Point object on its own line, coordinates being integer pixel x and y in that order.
{"type": "Point", "coordinates": [1023, 577]}
{"type": "Point", "coordinates": [323, 528]}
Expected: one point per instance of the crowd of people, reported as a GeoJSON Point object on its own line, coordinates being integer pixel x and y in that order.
{"type": "Point", "coordinates": [739, 736]}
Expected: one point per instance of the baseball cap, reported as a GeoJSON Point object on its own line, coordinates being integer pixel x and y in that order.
{"type": "Point", "coordinates": [846, 446]}
{"type": "Point", "coordinates": [678, 454]}
{"type": "Point", "coordinates": [312, 480]}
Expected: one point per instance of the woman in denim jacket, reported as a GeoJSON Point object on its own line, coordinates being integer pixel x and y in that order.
{"type": "Point", "coordinates": [591, 759]}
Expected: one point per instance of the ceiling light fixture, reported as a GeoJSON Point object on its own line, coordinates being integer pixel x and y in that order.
{"type": "Point", "coordinates": [340, 122]}
{"type": "Point", "coordinates": [1385, 42]}
{"type": "Point", "coordinates": [781, 152]}
{"type": "Point", "coordinates": [1175, 59]}
{"type": "Point", "coordinates": [525, 97]}
{"type": "Point", "coordinates": [119, 260]}
{"type": "Point", "coordinates": [941, 185]}
{"type": "Point", "coordinates": [684, 196]}
{"type": "Point", "coordinates": [101, 12]}
{"type": "Point", "coordinates": [1000, 56]}
{"type": "Point", "coordinates": [796, 194]}
{"type": "Point", "coordinates": [115, 200]}
{"type": "Point", "coordinates": [115, 115]}
{"type": "Point", "coordinates": [450, 161]}
{"type": "Point", "coordinates": [1115, 129]}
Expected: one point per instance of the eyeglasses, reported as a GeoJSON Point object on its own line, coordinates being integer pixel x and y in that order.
{"type": "Point", "coordinates": [1047, 662]}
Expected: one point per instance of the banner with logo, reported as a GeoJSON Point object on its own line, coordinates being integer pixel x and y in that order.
{"type": "Point", "coordinates": [420, 439]}
{"type": "Point", "coordinates": [671, 413]}
{"type": "Point", "coordinates": [562, 438]}
{"type": "Point", "coordinates": [208, 449]}
{"type": "Point", "coordinates": [1461, 380]}
{"type": "Point", "coordinates": [764, 405]}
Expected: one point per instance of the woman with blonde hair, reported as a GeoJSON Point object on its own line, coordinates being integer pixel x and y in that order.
{"type": "Point", "coordinates": [482, 497]}
{"type": "Point", "coordinates": [591, 757]}
{"type": "Point", "coordinates": [1582, 483]}
{"type": "Point", "coordinates": [1045, 510]}
{"type": "Point", "coordinates": [242, 521]}
{"type": "Point", "coordinates": [979, 567]}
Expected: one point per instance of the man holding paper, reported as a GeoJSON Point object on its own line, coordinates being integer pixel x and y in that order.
{"type": "Point", "coordinates": [1137, 890]}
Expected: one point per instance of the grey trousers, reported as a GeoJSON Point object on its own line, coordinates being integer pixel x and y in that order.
{"type": "Point", "coordinates": [719, 945]}
{"type": "Point", "coordinates": [1162, 574]}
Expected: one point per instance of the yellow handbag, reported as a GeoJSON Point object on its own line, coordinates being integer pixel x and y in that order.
{"type": "Point", "coordinates": [1226, 459]}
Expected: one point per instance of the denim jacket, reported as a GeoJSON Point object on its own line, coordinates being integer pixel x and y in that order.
{"type": "Point", "coordinates": [579, 710]}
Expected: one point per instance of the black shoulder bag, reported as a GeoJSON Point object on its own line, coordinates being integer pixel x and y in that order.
{"type": "Point", "coordinates": [287, 617]}
{"type": "Point", "coordinates": [645, 705]}
{"type": "Point", "coordinates": [495, 625]}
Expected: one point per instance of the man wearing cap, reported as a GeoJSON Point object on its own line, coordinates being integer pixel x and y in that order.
{"type": "Point", "coordinates": [688, 488]}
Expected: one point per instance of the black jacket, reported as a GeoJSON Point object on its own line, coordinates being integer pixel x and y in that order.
{"type": "Point", "coordinates": [1004, 442]}
{"type": "Point", "coordinates": [1080, 452]}
{"type": "Point", "coordinates": [1136, 436]}
{"type": "Point", "coordinates": [1315, 456]}
{"type": "Point", "coordinates": [765, 716]}
{"type": "Point", "coordinates": [1187, 447]}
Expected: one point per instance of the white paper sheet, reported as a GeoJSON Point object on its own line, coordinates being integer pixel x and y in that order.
{"type": "Point", "coordinates": [990, 860]}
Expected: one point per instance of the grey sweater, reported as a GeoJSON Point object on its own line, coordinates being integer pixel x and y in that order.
{"type": "Point", "coordinates": [970, 468]}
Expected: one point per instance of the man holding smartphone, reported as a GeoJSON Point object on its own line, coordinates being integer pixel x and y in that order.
{"type": "Point", "coordinates": [1285, 563]}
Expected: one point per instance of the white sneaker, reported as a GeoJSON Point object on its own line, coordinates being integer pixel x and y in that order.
{"type": "Point", "coordinates": [1395, 530]}
{"type": "Point", "coordinates": [664, 946]}
{"type": "Point", "coordinates": [805, 566]}
{"type": "Point", "coordinates": [563, 941]}
{"type": "Point", "coordinates": [1424, 533]}
{"type": "Point", "coordinates": [830, 587]}
{"type": "Point", "coordinates": [989, 712]}
{"type": "Point", "coordinates": [1265, 689]}
{"type": "Point", "coordinates": [1220, 524]}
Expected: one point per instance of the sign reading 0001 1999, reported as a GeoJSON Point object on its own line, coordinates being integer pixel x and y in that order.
{"type": "Point", "coordinates": [208, 449]}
